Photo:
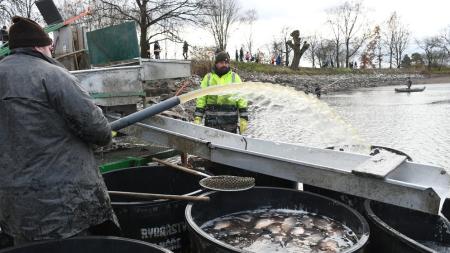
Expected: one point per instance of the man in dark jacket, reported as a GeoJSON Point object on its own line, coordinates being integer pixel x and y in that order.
{"type": "Point", "coordinates": [50, 186]}
{"type": "Point", "coordinates": [241, 54]}
{"type": "Point", "coordinates": [4, 37]}
{"type": "Point", "coordinates": [185, 50]}
{"type": "Point", "coordinates": [157, 50]}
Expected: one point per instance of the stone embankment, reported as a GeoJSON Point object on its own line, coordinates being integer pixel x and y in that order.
{"type": "Point", "coordinates": [163, 89]}
{"type": "Point", "coordinates": [332, 83]}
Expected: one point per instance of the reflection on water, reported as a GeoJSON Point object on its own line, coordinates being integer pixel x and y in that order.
{"type": "Point", "coordinates": [282, 114]}
{"type": "Point", "coordinates": [416, 123]}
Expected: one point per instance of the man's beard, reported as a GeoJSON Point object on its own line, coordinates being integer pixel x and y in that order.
{"type": "Point", "coordinates": [222, 71]}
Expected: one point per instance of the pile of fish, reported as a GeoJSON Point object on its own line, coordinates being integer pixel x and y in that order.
{"type": "Point", "coordinates": [282, 231]}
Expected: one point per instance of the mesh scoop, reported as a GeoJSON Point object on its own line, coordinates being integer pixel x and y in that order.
{"type": "Point", "coordinates": [227, 183]}
{"type": "Point", "coordinates": [216, 183]}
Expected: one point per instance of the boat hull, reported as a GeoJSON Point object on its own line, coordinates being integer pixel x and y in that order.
{"type": "Point", "coordinates": [409, 90]}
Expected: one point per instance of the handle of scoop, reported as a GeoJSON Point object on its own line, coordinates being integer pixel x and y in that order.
{"type": "Point", "coordinates": [158, 196]}
{"type": "Point", "coordinates": [145, 113]}
{"type": "Point", "coordinates": [178, 167]}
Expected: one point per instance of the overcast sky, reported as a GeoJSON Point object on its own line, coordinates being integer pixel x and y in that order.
{"type": "Point", "coordinates": [423, 18]}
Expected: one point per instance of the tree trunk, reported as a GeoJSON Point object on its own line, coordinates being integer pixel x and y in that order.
{"type": "Point", "coordinates": [337, 54]}
{"type": "Point", "coordinates": [296, 59]}
{"type": "Point", "coordinates": [390, 57]}
{"type": "Point", "coordinates": [298, 48]}
{"type": "Point", "coordinates": [380, 58]}
{"type": "Point", "coordinates": [287, 52]}
{"type": "Point", "coordinates": [143, 25]}
{"type": "Point", "coordinates": [347, 53]}
{"type": "Point", "coordinates": [399, 60]}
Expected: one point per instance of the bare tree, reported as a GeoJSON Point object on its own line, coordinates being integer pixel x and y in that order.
{"type": "Point", "coordinates": [445, 38]}
{"type": "Point", "coordinates": [347, 23]}
{"type": "Point", "coordinates": [249, 18]}
{"type": "Point", "coordinates": [222, 15]}
{"type": "Point", "coordinates": [400, 45]}
{"type": "Point", "coordinates": [432, 46]}
{"type": "Point", "coordinates": [369, 54]}
{"type": "Point", "coordinates": [24, 8]}
{"type": "Point", "coordinates": [396, 39]}
{"type": "Point", "coordinates": [325, 53]}
{"type": "Point", "coordinates": [298, 47]}
{"type": "Point", "coordinates": [276, 47]}
{"type": "Point", "coordinates": [285, 38]}
{"type": "Point", "coordinates": [334, 17]}
{"type": "Point", "coordinates": [314, 42]}
{"type": "Point", "coordinates": [101, 14]}
{"type": "Point", "coordinates": [379, 48]}
{"type": "Point", "coordinates": [155, 18]}
{"type": "Point", "coordinates": [279, 45]}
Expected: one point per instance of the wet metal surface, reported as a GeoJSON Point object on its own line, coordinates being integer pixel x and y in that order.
{"type": "Point", "coordinates": [411, 185]}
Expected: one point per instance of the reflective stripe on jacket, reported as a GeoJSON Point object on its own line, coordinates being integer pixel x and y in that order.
{"type": "Point", "coordinates": [221, 105]}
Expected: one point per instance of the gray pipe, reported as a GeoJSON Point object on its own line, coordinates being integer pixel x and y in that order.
{"type": "Point", "coordinates": [145, 113]}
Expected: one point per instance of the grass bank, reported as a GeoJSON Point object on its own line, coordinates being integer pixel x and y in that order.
{"type": "Point", "coordinates": [202, 67]}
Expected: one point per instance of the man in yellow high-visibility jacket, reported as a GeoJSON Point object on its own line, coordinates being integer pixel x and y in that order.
{"type": "Point", "coordinates": [224, 112]}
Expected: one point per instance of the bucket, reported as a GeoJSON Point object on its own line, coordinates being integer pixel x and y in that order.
{"type": "Point", "coordinates": [401, 230]}
{"type": "Point", "coordinates": [90, 244]}
{"type": "Point", "coordinates": [156, 221]}
{"type": "Point", "coordinates": [260, 179]}
{"type": "Point", "coordinates": [223, 203]}
{"type": "Point", "coordinates": [5, 240]}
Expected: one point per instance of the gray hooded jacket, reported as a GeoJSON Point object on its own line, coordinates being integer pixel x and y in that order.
{"type": "Point", "coordinates": [50, 186]}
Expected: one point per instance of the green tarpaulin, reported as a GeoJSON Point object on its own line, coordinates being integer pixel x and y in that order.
{"type": "Point", "coordinates": [114, 43]}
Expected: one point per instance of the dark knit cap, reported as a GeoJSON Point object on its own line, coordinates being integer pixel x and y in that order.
{"type": "Point", "coordinates": [26, 33]}
{"type": "Point", "coordinates": [222, 56]}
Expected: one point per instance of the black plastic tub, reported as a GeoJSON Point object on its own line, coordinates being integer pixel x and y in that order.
{"type": "Point", "coordinates": [223, 203]}
{"type": "Point", "coordinates": [91, 244]}
{"type": "Point", "coordinates": [401, 230]}
{"type": "Point", "coordinates": [5, 240]}
{"type": "Point", "coordinates": [156, 221]}
{"type": "Point", "coordinates": [260, 179]}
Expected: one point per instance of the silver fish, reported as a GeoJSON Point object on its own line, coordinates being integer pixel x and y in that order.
{"type": "Point", "coordinates": [222, 225]}
{"type": "Point", "coordinates": [274, 228]}
{"type": "Point", "coordinates": [297, 231]}
{"type": "Point", "coordinates": [288, 224]}
{"type": "Point", "coordinates": [262, 223]}
{"type": "Point", "coordinates": [329, 246]}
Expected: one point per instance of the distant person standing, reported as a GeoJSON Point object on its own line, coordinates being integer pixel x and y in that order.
{"type": "Point", "coordinates": [185, 50]}
{"type": "Point", "coordinates": [409, 83]}
{"type": "Point", "coordinates": [237, 55]}
{"type": "Point", "coordinates": [247, 56]}
{"type": "Point", "coordinates": [278, 60]}
{"type": "Point", "coordinates": [241, 54]}
{"type": "Point", "coordinates": [4, 35]}
{"type": "Point", "coordinates": [318, 91]}
{"type": "Point", "coordinates": [157, 50]}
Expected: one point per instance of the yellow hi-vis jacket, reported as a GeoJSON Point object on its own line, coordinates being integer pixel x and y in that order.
{"type": "Point", "coordinates": [221, 109]}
